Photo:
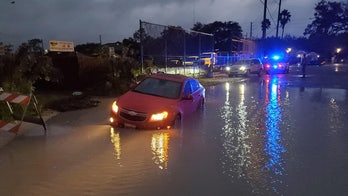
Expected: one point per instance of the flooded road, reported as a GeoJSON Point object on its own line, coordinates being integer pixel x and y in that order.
{"type": "Point", "coordinates": [274, 135]}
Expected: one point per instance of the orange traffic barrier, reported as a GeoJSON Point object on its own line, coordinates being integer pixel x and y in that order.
{"type": "Point", "coordinates": [24, 100]}
{"type": "Point", "coordinates": [9, 126]}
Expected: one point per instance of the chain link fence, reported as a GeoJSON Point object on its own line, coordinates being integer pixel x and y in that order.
{"type": "Point", "coordinates": [174, 50]}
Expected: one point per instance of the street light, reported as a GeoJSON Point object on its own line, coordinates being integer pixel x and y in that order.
{"type": "Point", "coordinates": [338, 50]}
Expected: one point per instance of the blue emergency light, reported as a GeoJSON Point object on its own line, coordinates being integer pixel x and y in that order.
{"type": "Point", "coordinates": [276, 57]}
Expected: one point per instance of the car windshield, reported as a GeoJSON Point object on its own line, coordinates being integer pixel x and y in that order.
{"type": "Point", "coordinates": [159, 87]}
{"type": "Point", "coordinates": [242, 62]}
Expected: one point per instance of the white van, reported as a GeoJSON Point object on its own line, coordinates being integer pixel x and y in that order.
{"type": "Point", "coordinates": [245, 67]}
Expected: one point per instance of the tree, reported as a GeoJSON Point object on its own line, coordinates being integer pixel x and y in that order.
{"type": "Point", "coordinates": [20, 71]}
{"type": "Point", "coordinates": [330, 19]}
{"type": "Point", "coordinates": [131, 48]}
{"type": "Point", "coordinates": [35, 46]}
{"type": "Point", "coordinates": [284, 18]}
{"type": "Point", "coordinates": [174, 38]}
{"type": "Point", "coordinates": [265, 24]}
{"type": "Point", "coordinates": [91, 49]}
{"type": "Point", "coordinates": [223, 33]}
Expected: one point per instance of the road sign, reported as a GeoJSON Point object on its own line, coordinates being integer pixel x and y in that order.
{"type": "Point", "coordinates": [61, 46]}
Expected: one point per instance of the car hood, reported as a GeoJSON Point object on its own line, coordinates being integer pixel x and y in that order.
{"type": "Point", "coordinates": [145, 103]}
{"type": "Point", "coordinates": [237, 67]}
{"type": "Point", "coordinates": [240, 65]}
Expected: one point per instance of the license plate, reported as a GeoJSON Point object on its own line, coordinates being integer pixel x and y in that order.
{"type": "Point", "coordinates": [129, 125]}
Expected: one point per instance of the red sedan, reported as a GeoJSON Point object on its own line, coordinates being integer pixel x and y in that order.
{"type": "Point", "coordinates": [159, 101]}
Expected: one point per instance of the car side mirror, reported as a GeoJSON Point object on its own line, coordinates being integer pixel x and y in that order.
{"type": "Point", "coordinates": [133, 85]}
{"type": "Point", "coordinates": [187, 97]}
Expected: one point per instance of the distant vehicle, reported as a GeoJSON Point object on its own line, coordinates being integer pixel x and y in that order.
{"type": "Point", "coordinates": [245, 67]}
{"type": "Point", "coordinates": [191, 61]}
{"type": "Point", "coordinates": [276, 64]}
{"type": "Point", "coordinates": [159, 101]}
{"type": "Point", "coordinates": [313, 58]}
{"type": "Point", "coordinates": [208, 58]}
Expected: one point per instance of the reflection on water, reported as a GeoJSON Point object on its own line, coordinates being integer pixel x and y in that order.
{"type": "Point", "coordinates": [234, 132]}
{"type": "Point", "coordinates": [116, 141]}
{"type": "Point", "coordinates": [273, 136]}
{"type": "Point", "coordinates": [252, 149]}
{"type": "Point", "coordinates": [335, 121]}
{"type": "Point", "coordinates": [159, 145]}
{"type": "Point", "coordinates": [273, 147]}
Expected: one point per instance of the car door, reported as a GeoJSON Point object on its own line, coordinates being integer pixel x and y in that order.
{"type": "Point", "coordinates": [252, 65]}
{"type": "Point", "coordinates": [196, 93]}
{"type": "Point", "coordinates": [249, 62]}
{"type": "Point", "coordinates": [188, 101]}
{"type": "Point", "coordinates": [259, 65]}
{"type": "Point", "coordinates": [256, 65]}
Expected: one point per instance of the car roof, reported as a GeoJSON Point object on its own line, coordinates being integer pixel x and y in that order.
{"type": "Point", "coordinates": [172, 77]}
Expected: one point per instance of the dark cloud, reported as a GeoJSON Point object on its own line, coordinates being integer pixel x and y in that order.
{"type": "Point", "coordinates": [83, 21]}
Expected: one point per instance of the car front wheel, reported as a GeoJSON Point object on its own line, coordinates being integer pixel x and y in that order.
{"type": "Point", "coordinates": [259, 73]}
{"type": "Point", "coordinates": [247, 73]}
{"type": "Point", "coordinates": [177, 122]}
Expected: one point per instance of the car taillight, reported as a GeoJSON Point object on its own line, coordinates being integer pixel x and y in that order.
{"type": "Point", "coordinates": [268, 66]}
{"type": "Point", "coordinates": [280, 65]}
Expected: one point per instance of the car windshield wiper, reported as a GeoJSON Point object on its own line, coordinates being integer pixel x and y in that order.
{"type": "Point", "coordinates": [137, 91]}
{"type": "Point", "coordinates": [147, 93]}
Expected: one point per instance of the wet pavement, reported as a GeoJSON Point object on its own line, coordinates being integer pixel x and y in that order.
{"type": "Point", "coordinates": [274, 135]}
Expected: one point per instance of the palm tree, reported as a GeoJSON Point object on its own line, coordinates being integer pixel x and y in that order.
{"type": "Point", "coordinates": [284, 18]}
{"type": "Point", "coordinates": [265, 24]}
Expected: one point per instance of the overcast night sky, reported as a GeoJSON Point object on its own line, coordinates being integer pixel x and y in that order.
{"type": "Point", "coordinates": [82, 21]}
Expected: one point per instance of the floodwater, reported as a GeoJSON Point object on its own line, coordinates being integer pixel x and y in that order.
{"type": "Point", "coordinates": [263, 136]}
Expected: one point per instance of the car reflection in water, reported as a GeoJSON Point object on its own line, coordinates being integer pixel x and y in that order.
{"type": "Point", "coordinates": [236, 144]}
{"type": "Point", "coordinates": [252, 147]}
{"type": "Point", "coordinates": [273, 147]}
{"type": "Point", "coordinates": [159, 146]}
{"type": "Point", "coordinates": [116, 141]}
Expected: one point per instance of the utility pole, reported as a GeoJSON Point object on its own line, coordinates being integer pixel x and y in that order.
{"type": "Point", "coordinates": [141, 46]}
{"type": "Point", "coordinates": [251, 30]}
{"type": "Point", "coordinates": [264, 19]}
{"type": "Point", "coordinates": [280, 3]}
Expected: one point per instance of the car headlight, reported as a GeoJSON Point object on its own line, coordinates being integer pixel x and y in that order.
{"type": "Point", "coordinates": [228, 68]}
{"type": "Point", "coordinates": [159, 116]}
{"type": "Point", "coordinates": [242, 68]}
{"type": "Point", "coordinates": [114, 107]}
